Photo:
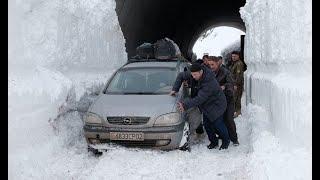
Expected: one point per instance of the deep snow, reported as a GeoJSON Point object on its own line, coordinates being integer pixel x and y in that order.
{"type": "Point", "coordinates": [64, 156]}
{"type": "Point", "coordinates": [59, 50]}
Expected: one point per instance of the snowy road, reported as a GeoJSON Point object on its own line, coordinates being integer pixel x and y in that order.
{"type": "Point", "coordinates": [39, 149]}
{"type": "Point", "coordinates": [200, 163]}
{"type": "Point", "coordinates": [133, 163]}
{"type": "Point", "coordinates": [61, 153]}
{"type": "Point", "coordinates": [74, 162]}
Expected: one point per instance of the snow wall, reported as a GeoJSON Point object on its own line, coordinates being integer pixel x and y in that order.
{"type": "Point", "coordinates": [278, 54]}
{"type": "Point", "coordinates": [55, 48]}
{"type": "Point", "coordinates": [278, 49]}
{"type": "Point", "coordinates": [51, 40]}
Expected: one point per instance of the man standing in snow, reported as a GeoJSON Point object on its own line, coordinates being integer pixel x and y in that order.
{"type": "Point", "coordinates": [210, 99]}
{"type": "Point", "coordinates": [206, 58]}
{"type": "Point", "coordinates": [237, 69]}
{"type": "Point", "coordinates": [224, 77]}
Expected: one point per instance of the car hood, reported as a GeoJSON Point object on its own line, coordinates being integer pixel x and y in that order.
{"type": "Point", "coordinates": [133, 105]}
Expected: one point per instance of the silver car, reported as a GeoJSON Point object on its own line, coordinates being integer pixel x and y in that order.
{"type": "Point", "coordinates": [135, 108]}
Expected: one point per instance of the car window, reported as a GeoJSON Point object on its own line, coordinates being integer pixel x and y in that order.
{"type": "Point", "coordinates": [142, 81]}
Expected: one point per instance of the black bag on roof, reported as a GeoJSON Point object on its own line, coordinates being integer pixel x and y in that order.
{"type": "Point", "coordinates": [145, 50]}
{"type": "Point", "coordinates": [166, 49]}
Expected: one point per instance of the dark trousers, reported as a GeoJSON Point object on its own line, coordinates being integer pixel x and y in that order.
{"type": "Point", "coordinates": [216, 127]}
{"type": "Point", "coordinates": [229, 120]}
{"type": "Point", "coordinates": [237, 98]}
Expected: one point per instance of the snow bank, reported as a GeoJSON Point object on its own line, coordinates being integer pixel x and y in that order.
{"type": "Point", "coordinates": [268, 158]}
{"type": "Point", "coordinates": [56, 49]}
{"type": "Point", "coordinates": [65, 34]}
{"type": "Point", "coordinates": [278, 55]}
{"type": "Point", "coordinates": [278, 80]}
{"type": "Point", "coordinates": [59, 49]}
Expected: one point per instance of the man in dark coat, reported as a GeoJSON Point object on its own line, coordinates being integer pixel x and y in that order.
{"type": "Point", "coordinates": [194, 90]}
{"type": "Point", "coordinates": [225, 79]}
{"type": "Point", "coordinates": [210, 99]}
{"type": "Point", "coordinates": [221, 62]}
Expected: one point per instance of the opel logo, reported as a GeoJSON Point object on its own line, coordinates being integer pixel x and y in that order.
{"type": "Point", "coordinates": [127, 121]}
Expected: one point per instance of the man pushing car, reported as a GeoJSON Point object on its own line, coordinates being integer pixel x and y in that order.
{"type": "Point", "coordinates": [210, 99]}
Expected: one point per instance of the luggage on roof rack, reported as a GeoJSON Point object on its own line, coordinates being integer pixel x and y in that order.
{"type": "Point", "coordinates": [166, 49]}
{"type": "Point", "coordinates": [163, 50]}
{"type": "Point", "coordinates": [145, 50]}
{"type": "Point", "coordinates": [131, 60]}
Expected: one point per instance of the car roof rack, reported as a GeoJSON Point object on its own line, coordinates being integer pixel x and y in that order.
{"type": "Point", "coordinates": [156, 60]}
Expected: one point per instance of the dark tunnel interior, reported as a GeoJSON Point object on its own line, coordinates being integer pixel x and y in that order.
{"type": "Point", "coordinates": [180, 20]}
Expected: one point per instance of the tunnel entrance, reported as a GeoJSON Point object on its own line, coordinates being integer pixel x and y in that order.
{"type": "Point", "coordinates": [182, 21]}
{"type": "Point", "coordinates": [215, 40]}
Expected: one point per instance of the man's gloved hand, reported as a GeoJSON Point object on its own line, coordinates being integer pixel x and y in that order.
{"type": "Point", "coordinates": [172, 93]}
{"type": "Point", "coordinates": [185, 83]}
{"type": "Point", "coordinates": [180, 106]}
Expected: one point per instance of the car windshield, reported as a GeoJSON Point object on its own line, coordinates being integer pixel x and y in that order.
{"type": "Point", "coordinates": [142, 81]}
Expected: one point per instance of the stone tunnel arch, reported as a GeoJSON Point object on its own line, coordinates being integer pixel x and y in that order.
{"type": "Point", "coordinates": [180, 20]}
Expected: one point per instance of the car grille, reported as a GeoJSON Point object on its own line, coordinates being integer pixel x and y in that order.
{"type": "Point", "coordinates": [123, 120]}
{"type": "Point", "coordinates": [145, 143]}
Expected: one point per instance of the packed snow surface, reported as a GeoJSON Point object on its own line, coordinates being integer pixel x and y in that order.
{"type": "Point", "coordinates": [62, 51]}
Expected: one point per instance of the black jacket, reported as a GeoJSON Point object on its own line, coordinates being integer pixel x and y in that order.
{"type": "Point", "coordinates": [224, 77]}
{"type": "Point", "coordinates": [210, 98]}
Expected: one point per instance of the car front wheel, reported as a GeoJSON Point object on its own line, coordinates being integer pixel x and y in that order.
{"type": "Point", "coordinates": [184, 143]}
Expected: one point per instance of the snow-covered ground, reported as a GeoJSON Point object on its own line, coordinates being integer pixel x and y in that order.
{"type": "Point", "coordinates": [63, 155]}
{"type": "Point", "coordinates": [59, 52]}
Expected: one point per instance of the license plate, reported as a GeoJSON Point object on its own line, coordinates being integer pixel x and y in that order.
{"type": "Point", "coordinates": [128, 136]}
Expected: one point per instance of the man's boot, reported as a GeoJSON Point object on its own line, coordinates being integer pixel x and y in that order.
{"type": "Point", "coordinates": [212, 145]}
{"type": "Point", "coordinates": [224, 145]}
{"type": "Point", "coordinates": [199, 129]}
{"type": "Point", "coordinates": [235, 143]}
{"type": "Point", "coordinates": [236, 114]}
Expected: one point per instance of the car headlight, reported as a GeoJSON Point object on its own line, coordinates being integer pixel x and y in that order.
{"type": "Point", "coordinates": [91, 118]}
{"type": "Point", "coordinates": [168, 119]}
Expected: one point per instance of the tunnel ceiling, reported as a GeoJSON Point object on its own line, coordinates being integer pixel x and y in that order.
{"type": "Point", "coordinates": [180, 20]}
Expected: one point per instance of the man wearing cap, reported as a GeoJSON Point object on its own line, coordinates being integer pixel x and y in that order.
{"type": "Point", "coordinates": [210, 99]}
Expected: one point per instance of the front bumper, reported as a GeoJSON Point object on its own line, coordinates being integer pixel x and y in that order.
{"type": "Point", "coordinates": [164, 138]}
